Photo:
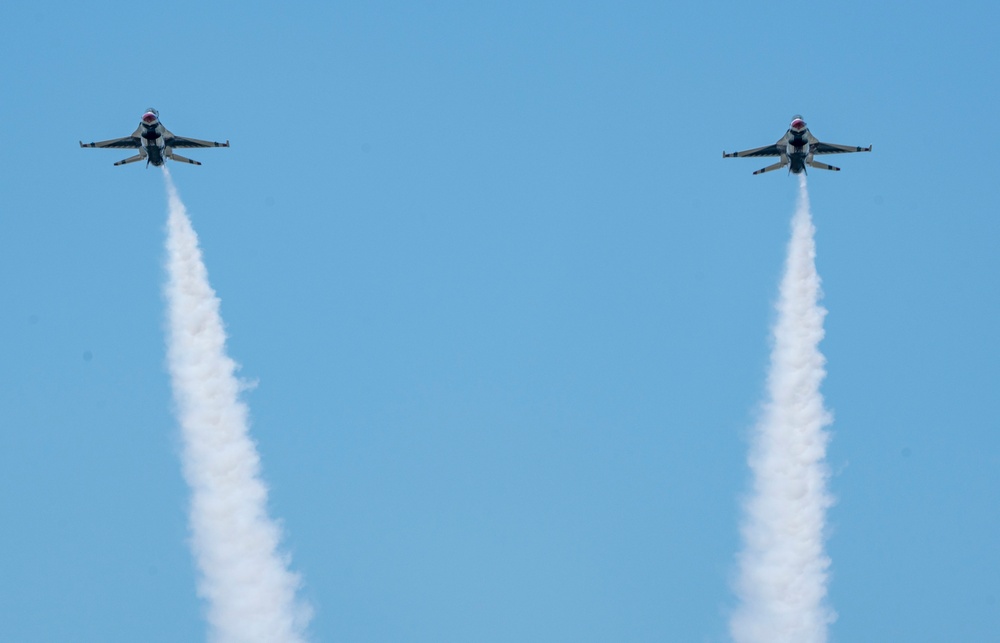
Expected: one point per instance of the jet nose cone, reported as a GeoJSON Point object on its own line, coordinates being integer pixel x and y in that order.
{"type": "Point", "coordinates": [149, 118]}
{"type": "Point", "coordinates": [798, 123]}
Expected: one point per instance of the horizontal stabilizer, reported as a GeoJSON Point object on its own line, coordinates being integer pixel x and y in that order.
{"type": "Point", "coordinates": [822, 166]}
{"type": "Point", "coordinates": [771, 168]}
{"type": "Point", "coordinates": [132, 159]}
{"type": "Point", "coordinates": [178, 157]}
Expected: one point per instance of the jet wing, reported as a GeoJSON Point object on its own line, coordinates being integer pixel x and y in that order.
{"type": "Point", "coordinates": [127, 142]}
{"type": "Point", "coordinates": [181, 141]}
{"type": "Point", "coordinates": [767, 150]}
{"type": "Point", "coordinates": [831, 148]}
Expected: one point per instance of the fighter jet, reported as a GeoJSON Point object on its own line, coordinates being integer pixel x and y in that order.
{"type": "Point", "coordinates": [155, 142]}
{"type": "Point", "coordinates": [796, 149]}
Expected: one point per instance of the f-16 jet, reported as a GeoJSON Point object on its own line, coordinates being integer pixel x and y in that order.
{"type": "Point", "coordinates": [155, 142]}
{"type": "Point", "coordinates": [796, 149]}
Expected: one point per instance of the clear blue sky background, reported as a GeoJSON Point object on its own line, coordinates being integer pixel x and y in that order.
{"type": "Point", "coordinates": [506, 306]}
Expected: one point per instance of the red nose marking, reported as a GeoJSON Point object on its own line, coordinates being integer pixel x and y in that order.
{"type": "Point", "coordinates": [149, 117]}
{"type": "Point", "coordinates": [798, 123]}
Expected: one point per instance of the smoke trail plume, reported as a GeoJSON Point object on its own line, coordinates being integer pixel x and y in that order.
{"type": "Point", "coordinates": [243, 576]}
{"type": "Point", "coordinates": [783, 567]}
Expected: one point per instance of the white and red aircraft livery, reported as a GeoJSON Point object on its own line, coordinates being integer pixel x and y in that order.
{"type": "Point", "coordinates": [155, 142]}
{"type": "Point", "coordinates": [796, 149]}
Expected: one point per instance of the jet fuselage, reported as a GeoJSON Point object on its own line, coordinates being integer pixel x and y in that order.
{"type": "Point", "coordinates": [152, 138]}
{"type": "Point", "coordinates": [798, 142]}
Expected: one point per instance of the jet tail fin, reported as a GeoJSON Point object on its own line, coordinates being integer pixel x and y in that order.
{"type": "Point", "coordinates": [771, 168]}
{"type": "Point", "coordinates": [822, 166]}
{"type": "Point", "coordinates": [131, 159]}
{"type": "Point", "coordinates": [182, 159]}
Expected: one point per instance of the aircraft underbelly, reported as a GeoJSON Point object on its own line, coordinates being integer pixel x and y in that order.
{"type": "Point", "coordinates": [798, 162]}
{"type": "Point", "coordinates": [155, 157]}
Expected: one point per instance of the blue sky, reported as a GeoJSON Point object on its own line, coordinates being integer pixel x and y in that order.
{"type": "Point", "coordinates": [506, 307]}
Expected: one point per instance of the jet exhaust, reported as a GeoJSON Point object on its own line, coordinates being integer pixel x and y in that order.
{"type": "Point", "coordinates": [244, 578]}
{"type": "Point", "coordinates": [783, 567]}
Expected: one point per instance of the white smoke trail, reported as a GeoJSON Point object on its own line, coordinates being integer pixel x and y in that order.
{"type": "Point", "coordinates": [244, 578]}
{"type": "Point", "coordinates": [783, 567]}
